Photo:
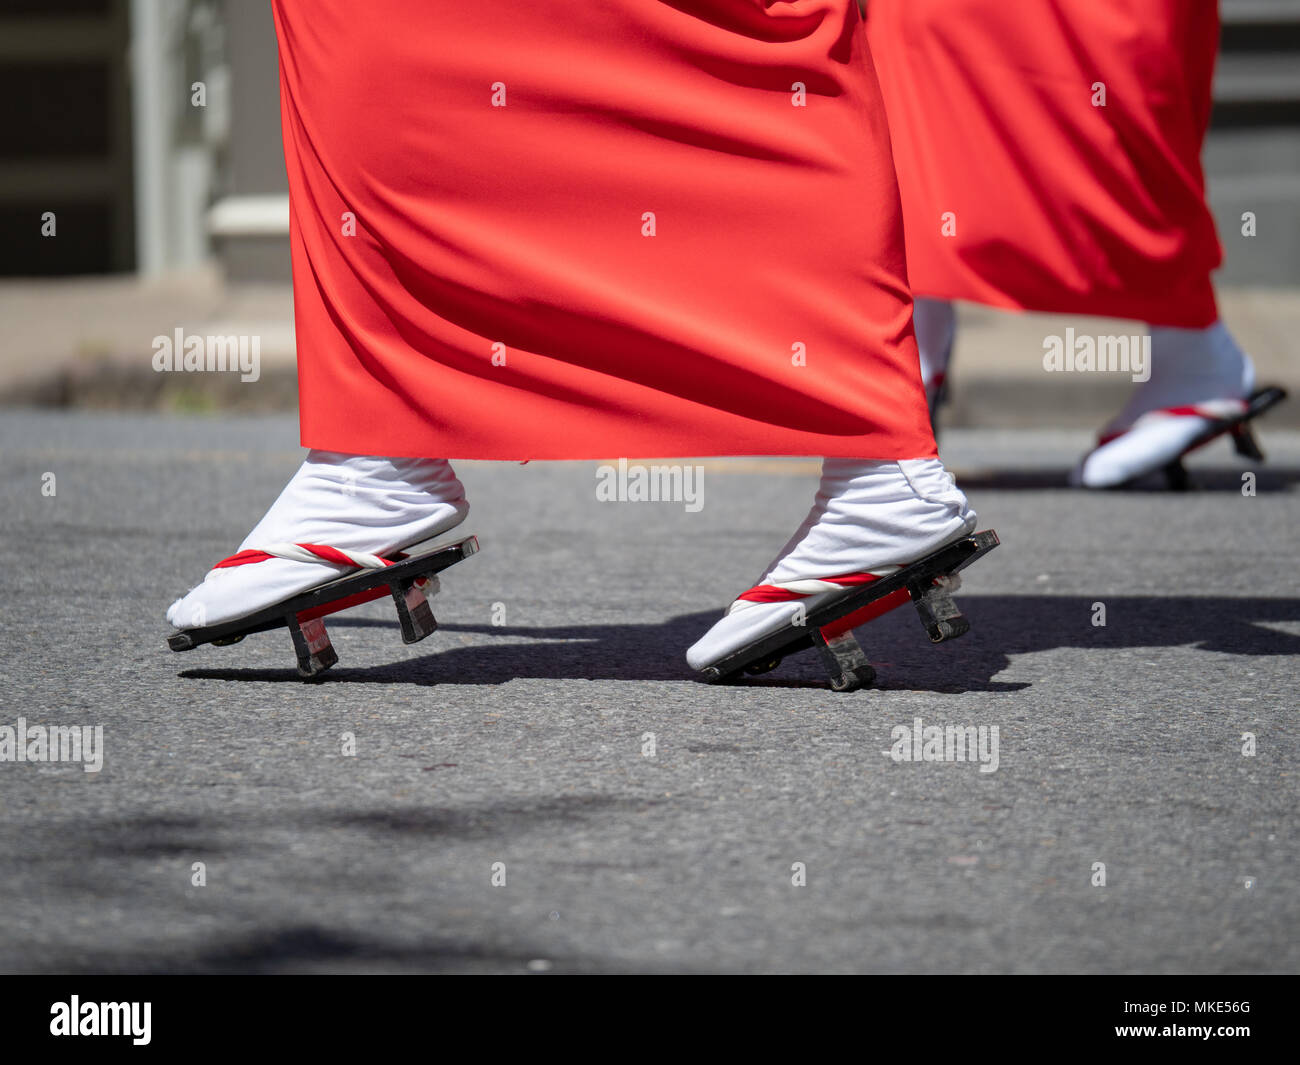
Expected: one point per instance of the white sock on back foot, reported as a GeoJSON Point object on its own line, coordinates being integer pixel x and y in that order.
{"type": "Point", "coordinates": [1189, 368]}
{"type": "Point", "coordinates": [935, 322]}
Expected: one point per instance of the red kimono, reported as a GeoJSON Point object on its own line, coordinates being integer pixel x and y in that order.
{"type": "Point", "coordinates": [1048, 151]}
{"type": "Point", "coordinates": [581, 229]}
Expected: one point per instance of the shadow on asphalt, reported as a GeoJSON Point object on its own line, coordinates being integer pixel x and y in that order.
{"type": "Point", "coordinates": [1210, 479]}
{"type": "Point", "coordinates": [301, 945]}
{"type": "Point", "coordinates": [309, 948]}
{"type": "Point", "coordinates": [1001, 626]}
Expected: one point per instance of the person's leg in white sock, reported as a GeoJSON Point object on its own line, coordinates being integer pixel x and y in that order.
{"type": "Point", "coordinates": [351, 502]}
{"type": "Point", "coordinates": [935, 322]}
{"type": "Point", "coordinates": [868, 517]}
{"type": "Point", "coordinates": [1196, 376]}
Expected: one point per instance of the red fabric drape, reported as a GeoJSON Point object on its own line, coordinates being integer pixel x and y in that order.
{"type": "Point", "coordinates": [500, 297]}
{"type": "Point", "coordinates": [1053, 203]}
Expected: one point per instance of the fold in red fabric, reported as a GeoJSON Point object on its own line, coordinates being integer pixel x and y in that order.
{"type": "Point", "coordinates": [1022, 186]}
{"type": "Point", "coordinates": [568, 230]}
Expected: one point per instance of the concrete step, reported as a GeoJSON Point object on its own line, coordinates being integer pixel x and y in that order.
{"type": "Point", "coordinates": [1257, 12]}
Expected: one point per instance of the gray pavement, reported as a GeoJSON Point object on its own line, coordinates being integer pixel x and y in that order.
{"type": "Point", "coordinates": [522, 743]}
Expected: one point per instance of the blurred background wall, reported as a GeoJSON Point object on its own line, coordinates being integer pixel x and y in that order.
{"type": "Point", "coordinates": [151, 129]}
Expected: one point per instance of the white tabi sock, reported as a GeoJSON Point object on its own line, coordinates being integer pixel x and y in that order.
{"type": "Point", "coordinates": [868, 517]}
{"type": "Point", "coordinates": [352, 502]}
{"type": "Point", "coordinates": [1199, 370]}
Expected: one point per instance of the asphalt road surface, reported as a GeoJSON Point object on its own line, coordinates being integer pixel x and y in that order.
{"type": "Point", "coordinates": [769, 829]}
